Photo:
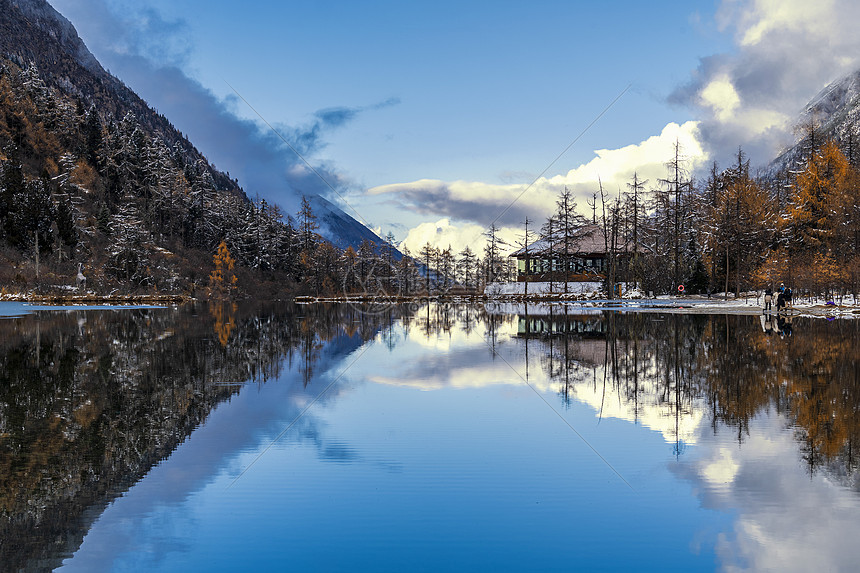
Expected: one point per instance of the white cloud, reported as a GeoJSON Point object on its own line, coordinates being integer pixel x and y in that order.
{"type": "Point", "coordinates": [469, 207]}
{"type": "Point", "coordinates": [615, 167]}
{"type": "Point", "coordinates": [441, 234]}
{"type": "Point", "coordinates": [755, 20]}
{"type": "Point", "coordinates": [786, 52]}
{"type": "Point", "coordinates": [720, 95]}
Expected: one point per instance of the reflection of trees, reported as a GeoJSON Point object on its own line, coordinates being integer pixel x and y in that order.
{"type": "Point", "coordinates": [822, 388]}
{"type": "Point", "coordinates": [437, 319]}
{"type": "Point", "coordinates": [676, 364]}
{"type": "Point", "coordinates": [225, 321]}
{"type": "Point", "coordinates": [90, 401]}
{"type": "Point", "coordinates": [724, 362]}
{"type": "Point", "coordinates": [812, 377]}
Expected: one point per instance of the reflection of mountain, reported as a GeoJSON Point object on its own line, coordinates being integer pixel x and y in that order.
{"type": "Point", "coordinates": [90, 401]}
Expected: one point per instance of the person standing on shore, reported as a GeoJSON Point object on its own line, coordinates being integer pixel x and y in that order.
{"type": "Point", "coordinates": [768, 297]}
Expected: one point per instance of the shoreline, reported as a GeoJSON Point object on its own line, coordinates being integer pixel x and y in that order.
{"type": "Point", "coordinates": [507, 302]}
{"type": "Point", "coordinates": [96, 299]}
{"type": "Point", "coordinates": [692, 304]}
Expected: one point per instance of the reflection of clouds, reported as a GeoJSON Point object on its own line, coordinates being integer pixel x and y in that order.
{"type": "Point", "coordinates": [456, 337]}
{"type": "Point", "coordinates": [468, 368]}
{"type": "Point", "coordinates": [787, 520]}
{"type": "Point", "coordinates": [460, 362]}
{"type": "Point", "coordinates": [459, 369]}
{"type": "Point", "coordinates": [457, 361]}
{"type": "Point", "coordinates": [721, 470]}
{"type": "Point", "coordinates": [652, 411]}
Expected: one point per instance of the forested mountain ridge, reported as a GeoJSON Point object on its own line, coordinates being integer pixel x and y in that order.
{"type": "Point", "coordinates": [92, 178]}
{"type": "Point", "coordinates": [33, 32]}
{"type": "Point", "coordinates": [91, 175]}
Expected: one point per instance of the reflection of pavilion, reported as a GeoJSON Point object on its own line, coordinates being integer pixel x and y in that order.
{"type": "Point", "coordinates": [601, 362]}
{"type": "Point", "coordinates": [540, 325]}
{"type": "Point", "coordinates": [583, 336]}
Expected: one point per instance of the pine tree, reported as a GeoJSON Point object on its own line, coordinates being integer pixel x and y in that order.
{"type": "Point", "coordinates": [493, 263]}
{"type": "Point", "coordinates": [568, 222]}
{"type": "Point", "coordinates": [466, 267]}
{"type": "Point", "coordinates": [308, 226]}
{"type": "Point", "coordinates": [446, 267]}
{"type": "Point", "coordinates": [635, 213]}
{"type": "Point", "coordinates": [428, 257]}
{"type": "Point", "coordinates": [673, 209]}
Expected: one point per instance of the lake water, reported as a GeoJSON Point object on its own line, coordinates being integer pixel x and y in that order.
{"type": "Point", "coordinates": [325, 438]}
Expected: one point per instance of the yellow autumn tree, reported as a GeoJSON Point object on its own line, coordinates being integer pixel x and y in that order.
{"type": "Point", "coordinates": [820, 224]}
{"type": "Point", "coordinates": [828, 274]}
{"type": "Point", "coordinates": [222, 281]}
{"type": "Point", "coordinates": [807, 223]}
{"type": "Point", "coordinates": [772, 271]}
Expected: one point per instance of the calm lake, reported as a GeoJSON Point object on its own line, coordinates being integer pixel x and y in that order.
{"type": "Point", "coordinates": [426, 438]}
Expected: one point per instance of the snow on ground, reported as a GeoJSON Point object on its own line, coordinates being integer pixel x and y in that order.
{"type": "Point", "coordinates": [506, 296]}
{"type": "Point", "coordinates": [537, 288]}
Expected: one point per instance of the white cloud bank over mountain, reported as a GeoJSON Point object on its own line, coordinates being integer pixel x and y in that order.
{"type": "Point", "coordinates": [785, 52]}
{"type": "Point", "coordinates": [468, 208]}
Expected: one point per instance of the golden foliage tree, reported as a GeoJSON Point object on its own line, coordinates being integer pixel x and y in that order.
{"type": "Point", "coordinates": [222, 281]}
{"type": "Point", "coordinates": [807, 215]}
{"type": "Point", "coordinates": [820, 226]}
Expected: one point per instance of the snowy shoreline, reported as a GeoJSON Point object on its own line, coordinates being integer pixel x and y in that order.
{"type": "Point", "coordinates": [589, 295]}
{"type": "Point", "coordinates": [90, 299]}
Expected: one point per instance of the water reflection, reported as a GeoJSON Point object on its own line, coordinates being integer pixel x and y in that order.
{"type": "Point", "coordinates": [758, 417]}
{"type": "Point", "coordinates": [721, 366]}
{"type": "Point", "coordinates": [91, 400]}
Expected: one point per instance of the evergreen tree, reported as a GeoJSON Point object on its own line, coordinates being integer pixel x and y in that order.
{"type": "Point", "coordinates": [467, 267]}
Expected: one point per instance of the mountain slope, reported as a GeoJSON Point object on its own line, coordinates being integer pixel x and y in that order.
{"type": "Point", "coordinates": [37, 33]}
{"type": "Point", "coordinates": [91, 175]}
{"type": "Point", "coordinates": [33, 32]}
{"type": "Point", "coordinates": [340, 229]}
{"type": "Point", "coordinates": [835, 114]}
{"type": "Point", "coordinates": [44, 17]}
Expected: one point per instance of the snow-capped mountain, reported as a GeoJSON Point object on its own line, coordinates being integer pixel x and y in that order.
{"type": "Point", "coordinates": [835, 113]}
{"type": "Point", "coordinates": [340, 229]}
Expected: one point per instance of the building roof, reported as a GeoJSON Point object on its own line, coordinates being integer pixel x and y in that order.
{"type": "Point", "coordinates": [587, 240]}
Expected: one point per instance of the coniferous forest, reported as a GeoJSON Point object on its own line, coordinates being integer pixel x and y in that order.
{"type": "Point", "coordinates": [98, 197]}
{"type": "Point", "coordinates": [733, 231]}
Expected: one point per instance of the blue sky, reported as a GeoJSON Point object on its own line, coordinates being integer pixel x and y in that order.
{"type": "Point", "coordinates": [429, 118]}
